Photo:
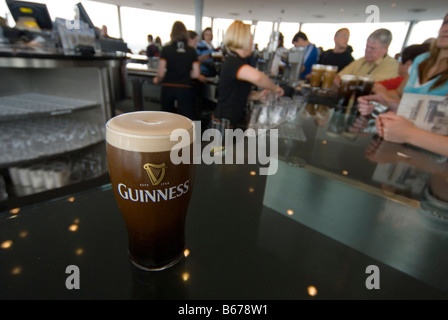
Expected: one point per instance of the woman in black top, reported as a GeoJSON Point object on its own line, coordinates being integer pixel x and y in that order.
{"type": "Point", "coordinates": [237, 76]}
{"type": "Point", "coordinates": [178, 64]}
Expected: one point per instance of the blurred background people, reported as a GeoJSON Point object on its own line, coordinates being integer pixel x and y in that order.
{"type": "Point", "coordinates": [204, 50]}
{"type": "Point", "coordinates": [178, 65]}
{"type": "Point", "coordinates": [428, 75]}
{"type": "Point", "coordinates": [311, 53]}
{"type": "Point", "coordinates": [281, 54]}
{"type": "Point", "coordinates": [376, 62]}
{"type": "Point", "coordinates": [341, 55]}
{"type": "Point", "coordinates": [237, 76]}
{"type": "Point", "coordinates": [152, 50]}
{"type": "Point", "coordinates": [158, 43]}
{"type": "Point", "coordinates": [405, 60]}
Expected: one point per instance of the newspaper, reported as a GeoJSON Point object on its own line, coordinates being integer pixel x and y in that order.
{"type": "Point", "coordinates": [427, 112]}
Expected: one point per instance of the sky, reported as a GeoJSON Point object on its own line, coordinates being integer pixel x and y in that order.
{"type": "Point", "coordinates": [138, 23]}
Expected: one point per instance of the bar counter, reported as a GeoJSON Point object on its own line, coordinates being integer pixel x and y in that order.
{"type": "Point", "coordinates": [315, 229]}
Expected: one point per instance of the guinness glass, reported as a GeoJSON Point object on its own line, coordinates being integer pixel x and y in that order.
{"type": "Point", "coordinates": [151, 192]}
{"type": "Point", "coordinates": [365, 86]}
{"type": "Point", "coordinates": [346, 89]}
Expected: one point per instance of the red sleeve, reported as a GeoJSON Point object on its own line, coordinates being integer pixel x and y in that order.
{"type": "Point", "coordinates": [392, 84]}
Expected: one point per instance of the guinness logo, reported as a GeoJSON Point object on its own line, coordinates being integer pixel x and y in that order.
{"type": "Point", "coordinates": [156, 172]}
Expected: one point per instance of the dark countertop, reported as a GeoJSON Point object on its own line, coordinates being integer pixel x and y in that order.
{"type": "Point", "coordinates": [319, 222]}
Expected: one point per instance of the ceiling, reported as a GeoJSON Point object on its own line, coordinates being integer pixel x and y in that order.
{"type": "Point", "coordinates": [315, 11]}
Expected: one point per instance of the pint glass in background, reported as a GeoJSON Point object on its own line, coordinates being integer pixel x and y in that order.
{"type": "Point", "coordinates": [152, 193]}
{"type": "Point", "coordinates": [328, 77]}
{"type": "Point", "coordinates": [365, 86]}
{"type": "Point", "coordinates": [346, 89]}
{"type": "Point", "coordinates": [317, 71]}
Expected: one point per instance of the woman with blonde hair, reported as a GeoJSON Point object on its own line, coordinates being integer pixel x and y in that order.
{"type": "Point", "coordinates": [237, 76]}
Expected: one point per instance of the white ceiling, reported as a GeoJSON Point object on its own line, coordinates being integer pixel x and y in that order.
{"type": "Point", "coordinates": [320, 11]}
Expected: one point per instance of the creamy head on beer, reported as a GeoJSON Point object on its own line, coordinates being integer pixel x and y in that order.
{"type": "Point", "coordinates": [146, 131]}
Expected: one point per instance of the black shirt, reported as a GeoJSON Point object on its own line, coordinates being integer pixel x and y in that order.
{"type": "Point", "coordinates": [152, 50]}
{"type": "Point", "coordinates": [337, 59]}
{"type": "Point", "coordinates": [179, 60]}
{"type": "Point", "coordinates": [232, 93]}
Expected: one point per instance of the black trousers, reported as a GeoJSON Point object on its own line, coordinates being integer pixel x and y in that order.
{"type": "Point", "coordinates": [185, 101]}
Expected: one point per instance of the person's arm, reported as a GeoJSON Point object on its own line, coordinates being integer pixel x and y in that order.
{"type": "Point", "coordinates": [398, 129]}
{"type": "Point", "coordinates": [160, 71]}
{"type": "Point", "coordinates": [195, 70]}
{"type": "Point", "coordinates": [258, 78]}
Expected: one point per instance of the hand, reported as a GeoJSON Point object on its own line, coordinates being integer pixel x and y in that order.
{"type": "Point", "coordinates": [259, 95]}
{"type": "Point", "coordinates": [394, 128]}
{"type": "Point", "coordinates": [365, 107]}
{"type": "Point", "coordinates": [278, 91]}
{"type": "Point", "coordinates": [155, 80]}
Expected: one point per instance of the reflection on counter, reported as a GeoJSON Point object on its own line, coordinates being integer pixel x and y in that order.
{"type": "Point", "coordinates": [365, 221]}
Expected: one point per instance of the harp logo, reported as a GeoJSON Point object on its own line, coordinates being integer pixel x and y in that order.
{"type": "Point", "coordinates": [156, 172]}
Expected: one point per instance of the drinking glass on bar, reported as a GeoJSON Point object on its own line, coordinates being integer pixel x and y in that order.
{"type": "Point", "coordinates": [317, 71]}
{"type": "Point", "coordinates": [328, 77]}
{"type": "Point", "coordinates": [151, 191]}
{"type": "Point", "coordinates": [365, 86]}
{"type": "Point", "coordinates": [346, 89]}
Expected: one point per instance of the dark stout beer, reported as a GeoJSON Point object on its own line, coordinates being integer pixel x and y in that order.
{"type": "Point", "coordinates": [365, 86]}
{"type": "Point", "coordinates": [347, 87]}
{"type": "Point", "coordinates": [152, 193]}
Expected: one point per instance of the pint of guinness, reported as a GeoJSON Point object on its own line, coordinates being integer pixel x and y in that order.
{"type": "Point", "coordinates": [152, 193]}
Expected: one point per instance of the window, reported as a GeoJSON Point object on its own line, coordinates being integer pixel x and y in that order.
{"type": "Point", "coordinates": [424, 30]}
{"type": "Point", "coordinates": [138, 23]}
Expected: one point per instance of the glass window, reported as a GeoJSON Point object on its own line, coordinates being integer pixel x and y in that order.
{"type": "Point", "coordinates": [288, 29]}
{"type": "Point", "coordinates": [262, 34]}
{"type": "Point", "coordinates": [138, 23]}
{"type": "Point", "coordinates": [103, 14]}
{"type": "Point", "coordinates": [219, 28]}
{"type": "Point", "coordinates": [424, 30]}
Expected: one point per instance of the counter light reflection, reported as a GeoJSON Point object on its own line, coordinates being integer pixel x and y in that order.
{"type": "Point", "coordinates": [14, 211]}
{"type": "Point", "coordinates": [6, 244]}
{"type": "Point", "coordinates": [312, 291]}
{"type": "Point", "coordinates": [74, 227]}
{"type": "Point", "coordinates": [185, 276]}
{"type": "Point", "coordinates": [16, 271]}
